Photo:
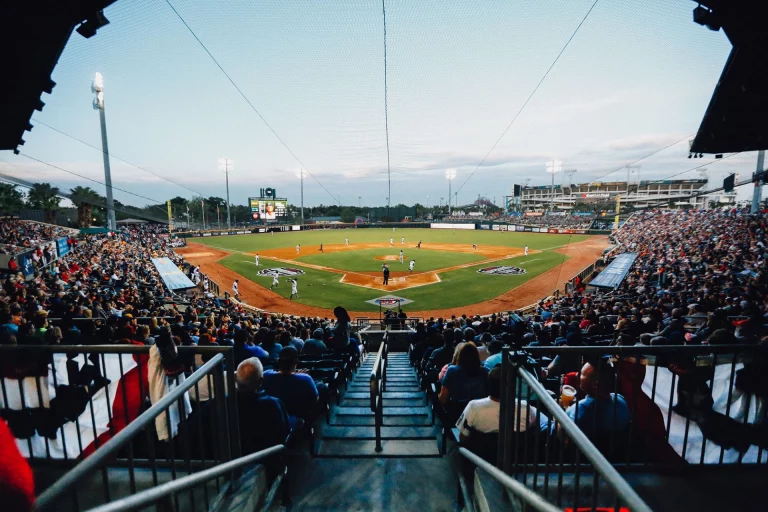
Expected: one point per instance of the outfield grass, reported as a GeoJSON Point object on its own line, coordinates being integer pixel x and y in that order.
{"type": "Point", "coordinates": [458, 288]}
{"type": "Point", "coordinates": [364, 259]}
{"type": "Point", "coordinates": [311, 240]}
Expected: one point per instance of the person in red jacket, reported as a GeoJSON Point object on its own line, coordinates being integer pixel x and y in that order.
{"type": "Point", "coordinates": [17, 487]}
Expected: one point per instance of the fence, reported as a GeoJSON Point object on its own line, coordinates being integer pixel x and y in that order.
{"type": "Point", "coordinates": [593, 483]}
{"type": "Point", "coordinates": [66, 404]}
{"type": "Point", "coordinates": [657, 408]}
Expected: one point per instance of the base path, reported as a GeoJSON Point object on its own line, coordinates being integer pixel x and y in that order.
{"type": "Point", "coordinates": [581, 254]}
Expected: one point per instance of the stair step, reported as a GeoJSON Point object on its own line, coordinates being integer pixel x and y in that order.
{"type": "Point", "coordinates": [364, 432]}
{"type": "Point", "coordinates": [402, 394]}
{"type": "Point", "coordinates": [390, 421]}
{"type": "Point", "coordinates": [388, 411]}
{"type": "Point", "coordinates": [397, 387]}
{"type": "Point", "coordinates": [365, 448]}
{"type": "Point", "coordinates": [389, 402]}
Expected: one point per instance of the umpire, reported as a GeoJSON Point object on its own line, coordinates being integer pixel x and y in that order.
{"type": "Point", "coordinates": [385, 270]}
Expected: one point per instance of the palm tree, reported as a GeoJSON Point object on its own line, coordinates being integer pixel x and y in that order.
{"type": "Point", "coordinates": [84, 199]}
{"type": "Point", "coordinates": [11, 199]}
{"type": "Point", "coordinates": [44, 197]}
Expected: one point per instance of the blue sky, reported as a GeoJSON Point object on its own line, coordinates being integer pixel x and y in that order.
{"type": "Point", "coordinates": [637, 77]}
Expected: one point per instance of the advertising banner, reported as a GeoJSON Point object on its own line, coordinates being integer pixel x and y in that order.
{"type": "Point", "coordinates": [62, 246]}
{"type": "Point", "coordinates": [26, 263]}
{"type": "Point", "coordinates": [442, 225]}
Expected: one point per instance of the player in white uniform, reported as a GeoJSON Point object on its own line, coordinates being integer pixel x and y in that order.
{"type": "Point", "coordinates": [391, 242]}
{"type": "Point", "coordinates": [257, 259]}
{"type": "Point", "coordinates": [526, 250]}
{"type": "Point", "coordinates": [346, 242]}
{"type": "Point", "coordinates": [235, 289]}
{"type": "Point", "coordinates": [298, 248]}
{"type": "Point", "coordinates": [275, 282]}
{"type": "Point", "coordinates": [205, 283]}
{"type": "Point", "coordinates": [294, 288]}
{"type": "Point", "coordinates": [411, 265]}
{"type": "Point", "coordinates": [401, 256]}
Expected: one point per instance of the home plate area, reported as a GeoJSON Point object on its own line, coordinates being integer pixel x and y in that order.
{"type": "Point", "coordinates": [396, 282]}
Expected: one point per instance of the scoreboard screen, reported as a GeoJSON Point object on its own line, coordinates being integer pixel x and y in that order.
{"type": "Point", "coordinates": [267, 208]}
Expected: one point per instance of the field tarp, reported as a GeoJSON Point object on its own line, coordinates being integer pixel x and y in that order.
{"type": "Point", "coordinates": [171, 275]}
{"type": "Point", "coordinates": [612, 275]}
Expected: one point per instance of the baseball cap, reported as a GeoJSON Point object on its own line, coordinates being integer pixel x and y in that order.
{"type": "Point", "coordinates": [318, 334]}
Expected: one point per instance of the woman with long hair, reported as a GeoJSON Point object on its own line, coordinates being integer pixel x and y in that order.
{"type": "Point", "coordinates": [467, 379]}
{"type": "Point", "coordinates": [341, 331]}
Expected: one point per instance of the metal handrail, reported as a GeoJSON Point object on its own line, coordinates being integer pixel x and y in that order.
{"type": "Point", "coordinates": [531, 499]}
{"type": "Point", "coordinates": [580, 439]}
{"type": "Point", "coordinates": [155, 494]}
{"type": "Point", "coordinates": [378, 374]}
{"type": "Point", "coordinates": [111, 447]}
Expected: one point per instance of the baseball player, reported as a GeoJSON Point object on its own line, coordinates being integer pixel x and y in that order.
{"type": "Point", "coordinates": [275, 282]}
{"type": "Point", "coordinates": [298, 248]}
{"type": "Point", "coordinates": [418, 246]}
{"type": "Point", "coordinates": [411, 265]}
{"type": "Point", "coordinates": [205, 283]}
{"type": "Point", "coordinates": [474, 246]}
{"type": "Point", "coordinates": [346, 242]}
{"type": "Point", "coordinates": [321, 247]}
{"type": "Point", "coordinates": [401, 256]}
{"type": "Point", "coordinates": [235, 289]}
{"type": "Point", "coordinates": [391, 242]}
{"type": "Point", "coordinates": [526, 250]}
{"type": "Point", "coordinates": [294, 288]}
{"type": "Point", "coordinates": [402, 241]}
{"type": "Point", "coordinates": [257, 259]}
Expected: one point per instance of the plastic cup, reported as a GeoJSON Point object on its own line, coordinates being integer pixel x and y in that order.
{"type": "Point", "coordinates": [567, 396]}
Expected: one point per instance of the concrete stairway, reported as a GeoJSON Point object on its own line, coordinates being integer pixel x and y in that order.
{"type": "Point", "coordinates": [407, 430]}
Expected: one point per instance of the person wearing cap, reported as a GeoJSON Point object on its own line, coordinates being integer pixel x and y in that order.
{"type": "Point", "coordinates": [296, 389]}
{"type": "Point", "coordinates": [315, 344]}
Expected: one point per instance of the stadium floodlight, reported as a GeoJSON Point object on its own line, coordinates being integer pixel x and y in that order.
{"type": "Point", "coordinates": [553, 167]}
{"type": "Point", "coordinates": [97, 87]}
{"type": "Point", "coordinates": [226, 165]}
{"type": "Point", "coordinates": [450, 175]}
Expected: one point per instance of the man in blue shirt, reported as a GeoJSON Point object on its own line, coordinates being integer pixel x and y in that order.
{"type": "Point", "coordinates": [494, 348]}
{"type": "Point", "coordinates": [600, 412]}
{"type": "Point", "coordinates": [297, 390]}
{"type": "Point", "coordinates": [263, 418]}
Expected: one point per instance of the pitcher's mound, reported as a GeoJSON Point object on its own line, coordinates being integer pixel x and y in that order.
{"type": "Point", "coordinates": [388, 257]}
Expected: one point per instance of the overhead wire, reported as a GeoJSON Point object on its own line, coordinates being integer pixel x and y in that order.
{"type": "Point", "coordinates": [112, 155]}
{"type": "Point", "coordinates": [530, 96]}
{"type": "Point", "coordinates": [156, 202]}
{"type": "Point", "coordinates": [248, 101]}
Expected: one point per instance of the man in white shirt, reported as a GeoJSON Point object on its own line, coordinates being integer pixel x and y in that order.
{"type": "Point", "coordinates": [235, 290]}
{"type": "Point", "coordinates": [257, 259]}
{"type": "Point", "coordinates": [526, 250]}
{"type": "Point", "coordinates": [482, 415]}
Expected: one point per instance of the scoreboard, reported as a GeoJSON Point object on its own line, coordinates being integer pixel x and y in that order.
{"type": "Point", "coordinates": [268, 206]}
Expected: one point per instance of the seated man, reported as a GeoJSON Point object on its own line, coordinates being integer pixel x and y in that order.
{"type": "Point", "coordinates": [596, 415]}
{"type": "Point", "coordinates": [481, 416]}
{"type": "Point", "coordinates": [296, 389]}
{"type": "Point", "coordinates": [315, 344]}
{"type": "Point", "coordinates": [263, 418]}
{"type": "Point", "coordinates": [494, 349]}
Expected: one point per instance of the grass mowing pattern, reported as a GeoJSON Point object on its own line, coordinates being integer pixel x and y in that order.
{"type": "Point", "coordinates": [363, 260]}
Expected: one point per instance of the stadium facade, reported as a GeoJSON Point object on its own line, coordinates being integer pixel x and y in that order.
{"type": "Point", "coordinates": [640, 194]}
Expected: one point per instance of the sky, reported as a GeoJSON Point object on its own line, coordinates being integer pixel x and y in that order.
{"type": "Point", "coordinates": [635, 78]}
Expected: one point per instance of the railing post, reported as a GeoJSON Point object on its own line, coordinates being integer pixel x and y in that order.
{"type": "Point", "coordinates": [234, 421]}
{"type": "Point", "coordinates": [221, 413]}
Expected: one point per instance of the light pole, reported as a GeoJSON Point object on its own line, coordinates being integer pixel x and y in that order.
{"type": "Point", "coordinates": [98, 104]}
{"type": "Point", "coordinates": [553, 167]}
{"type": "Point", "coordinates": [301, 177]}
{"type": "Point", "coordinates": [202, 211]}
{"type": "Point", "coordinates": [227, 165]}
{"type": "Point", "coordinates": [450, 175]}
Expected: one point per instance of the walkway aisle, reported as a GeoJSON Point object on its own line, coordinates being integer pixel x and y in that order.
{"type": "Point", "coordinates": [407, 430]}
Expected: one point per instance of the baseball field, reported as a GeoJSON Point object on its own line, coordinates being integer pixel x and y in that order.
{"type": "Point", "coordinates": [454, 271]}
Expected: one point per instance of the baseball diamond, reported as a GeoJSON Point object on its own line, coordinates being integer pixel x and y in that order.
{"type": "Point", "coordinates": [449, 273]}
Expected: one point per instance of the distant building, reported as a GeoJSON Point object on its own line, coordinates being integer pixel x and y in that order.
{"type": "Point", "coordinates": [643, 194]}
{"type": "Point", "coordinates": [324, 220]}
